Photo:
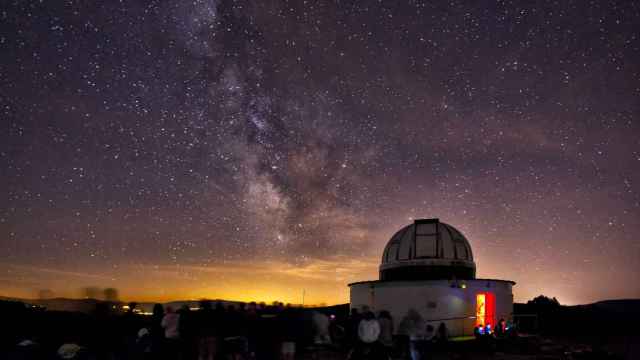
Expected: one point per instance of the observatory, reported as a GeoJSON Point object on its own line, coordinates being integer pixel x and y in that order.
{"type": "Point", "coordinates": [428, 267]}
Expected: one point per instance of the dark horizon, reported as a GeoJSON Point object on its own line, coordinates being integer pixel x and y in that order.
{"type": "Point", "coordinates": [128, 301]}
{"type": "Point", "coordinates": [265, 150]}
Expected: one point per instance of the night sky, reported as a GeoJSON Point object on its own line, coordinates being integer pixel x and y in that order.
{"type": "Point", "coordinates": [253, 150]}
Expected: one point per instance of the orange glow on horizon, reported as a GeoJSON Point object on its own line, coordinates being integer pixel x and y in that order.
{"type": "Point", "coordinates": [323, 281]}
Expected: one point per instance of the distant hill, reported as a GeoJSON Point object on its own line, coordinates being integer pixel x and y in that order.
{"type": "Point", "coordinates": [59, 304]}
{"type": "Point", "coordinates": [629, 307]}
{"type": "Point", "coordinates": [88, 305]}
{"type": "Point", "coordinates": [602, 317]}
{"type": "Point", "coordinates": [617, 305]}
{"type": "Point", "coordinates": [623, 309]}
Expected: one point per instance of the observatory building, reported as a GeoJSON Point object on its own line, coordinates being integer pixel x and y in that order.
{"type": "Point", "coordinates": [428, 267]}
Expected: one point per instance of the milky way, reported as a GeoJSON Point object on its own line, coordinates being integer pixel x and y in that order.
{"type": "Point", "coordinates": [251, 150]}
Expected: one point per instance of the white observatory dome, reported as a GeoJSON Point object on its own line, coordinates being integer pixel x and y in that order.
{"type": "Point", "coordinates": [427, 250]}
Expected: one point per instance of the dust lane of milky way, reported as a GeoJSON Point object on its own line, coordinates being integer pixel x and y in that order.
{"type": "Point", "coordinates": [250, 150]}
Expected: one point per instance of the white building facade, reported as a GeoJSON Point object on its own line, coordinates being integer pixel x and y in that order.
{"type": "Point", "coordinates": [428, 267]}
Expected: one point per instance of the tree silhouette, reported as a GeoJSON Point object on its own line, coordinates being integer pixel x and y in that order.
{"type": "Point", "coordinates": [544, 302]}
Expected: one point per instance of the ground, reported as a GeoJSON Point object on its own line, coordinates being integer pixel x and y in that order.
{"type": "Point", "coordinates": [528, 348]}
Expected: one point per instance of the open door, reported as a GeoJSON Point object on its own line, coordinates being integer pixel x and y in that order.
{"type": "Point", "coordinates": [485, 309]}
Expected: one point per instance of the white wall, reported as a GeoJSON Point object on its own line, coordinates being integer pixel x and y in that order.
{"type": "Point", "coordinates": [434, 300]}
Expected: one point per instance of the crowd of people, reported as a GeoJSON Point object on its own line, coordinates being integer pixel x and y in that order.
{"type": "Point", "coordinates": [376, 338]}
{"type": "Point", "coordinates": [253, 331]}
{"type": "Point", "coordinates": [500, 331]}
{"type": "Point", "coordinates": [235, 331]}
{"type": "Point", "coordinates": [492, 338]}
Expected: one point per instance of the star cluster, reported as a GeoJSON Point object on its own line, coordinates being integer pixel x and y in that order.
{"type": "Point", "coordinates": [252, 149]}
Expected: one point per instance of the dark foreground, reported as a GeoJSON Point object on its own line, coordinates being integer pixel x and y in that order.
{"type": "Point", "coordinates": [266, 332]}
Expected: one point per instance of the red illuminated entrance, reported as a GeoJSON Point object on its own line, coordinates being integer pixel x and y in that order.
{"type": "Point", "coordinates": [485, 309]}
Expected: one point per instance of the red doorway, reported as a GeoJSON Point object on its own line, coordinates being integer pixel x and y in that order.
{"type": "Point", "coordinates": [485, 309]}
